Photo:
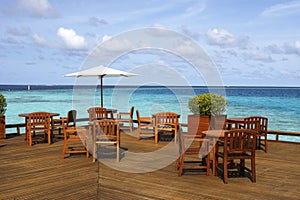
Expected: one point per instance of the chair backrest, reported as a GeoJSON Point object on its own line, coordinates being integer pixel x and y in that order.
{"type": "Point", "coordinates": [106, 129]}
{"type": "Point", "coordinates": [38, 120]}
{"type": "Point", "coordinates": [256, 123]}
{"type": "Point", "coordinates": [71, 120]}
{"type": "Point", "coordinates": [187, 141]}
{"type": "Point", "coordinates": [240, 141]}
{"type": "Point", "coordinates": [138, 118]}
{"type": "Point", "coordinates": [167, 118]}
{"type": "Point", "coordinates": [218, 122]}
{"type": "Point", "coordinates": [131, 112]}
{"type": "Point", "coordinates": [97, 113]}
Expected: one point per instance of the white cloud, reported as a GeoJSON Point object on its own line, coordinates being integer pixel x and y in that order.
{"type": "Point", "coordinates": [158, 25]}
{"type": "Point", "coordinates": [94, 21]}
{"type": "Point", "coordinates": [39, 40]}
{"type": "Point", "coordinates": [116, 44]}
{"type": "Point", "coordinates": [38, 8]}
{"type": "Point", "coordinates": [225, 39]}
{"type": "Point", "coordinates": [282, 9]}
{"type": "Point", "coordinates": [105, 38]}
{"type": "Point", "coordinates": [196, 8]}
{"type": "Point", "coordinates": [292, 48]}
{"type": "Point", "coordinates": [258, 56]}
{"type": "Point", "coordinates": [186, 48]}
{"type": "Point", "coordinates": [71, 39]}
{"type": "Point", "coordinates": [19, 31]}
{"type": "Point", "coordinates": [188, 32]}
{"type": "Point", "coordinates": [273, 48]}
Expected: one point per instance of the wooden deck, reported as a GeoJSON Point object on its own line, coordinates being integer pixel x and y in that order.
{"type": "Point", "coordinates": [39, 172]}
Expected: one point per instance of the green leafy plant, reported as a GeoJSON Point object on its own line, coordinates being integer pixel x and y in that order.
{"type": "Point", "coordinates": [207, 104]}
{"type": "Point", "coordinates": [3, 105]}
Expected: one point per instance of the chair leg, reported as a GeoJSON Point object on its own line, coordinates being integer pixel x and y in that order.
{"type": "Point", "coordinates": [87, 148]}
{"type": "Point", "coordinates": [49, 137]}
{"type": "Point", "coordinates": [64, 148]}
{"type": "Point", "coordinates": [242, 167]}
{"type": "Point", "coordinates": [130, 128]}
{"type": "Point", "coordinates": [118, 152]}
{"type": "Point", "coordinates": [177, 163]}
{"type": "Point", "coordinates": [138, 131]}
{"type": "Point", "coordinates": [253, 170]}
{"type": "Point", "coordinates": [30, 139]}
{"type": "Point", "coordinates": [225, 171]}
{"type": "Point", "coordinates": [156, 136]}
{"type": "Point", "coordinates": [208, 164]}
{"type": "Point", "coordinates": [181, 166]}
{"type": "Point", "coordinates": [94, 151]}
{"type": "Point", "coordinates": [266, 144]}
{"type": "Point", "coordinates": [175, 136]}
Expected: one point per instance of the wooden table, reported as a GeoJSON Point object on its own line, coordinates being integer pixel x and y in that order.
{"type": "Point", "coordinates": [234, 122]}
{"type": "Point", "coordinates": [214, 135]}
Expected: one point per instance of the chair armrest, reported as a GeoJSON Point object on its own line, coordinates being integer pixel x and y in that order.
{"type": "Point", "coordinates": [120, 114]}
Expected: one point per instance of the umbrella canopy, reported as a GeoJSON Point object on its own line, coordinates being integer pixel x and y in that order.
{"type": "Point", "coordinates": [101, 72]}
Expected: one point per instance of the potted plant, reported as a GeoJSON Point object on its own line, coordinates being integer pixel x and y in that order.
{"type": "Point", "coordinates": [203, 106]}
{"type": "Point", "coordinates": [3, 106]}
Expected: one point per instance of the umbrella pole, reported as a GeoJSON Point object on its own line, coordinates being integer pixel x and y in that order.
{"type": "Point", "coordinates": [101, 90]}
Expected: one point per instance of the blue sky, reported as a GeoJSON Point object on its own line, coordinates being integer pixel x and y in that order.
{"type": "Point", "coordinates": [250, 42]}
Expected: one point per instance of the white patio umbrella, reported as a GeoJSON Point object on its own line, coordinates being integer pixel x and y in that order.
{"type": "Point", "coordinates": [101, 72]}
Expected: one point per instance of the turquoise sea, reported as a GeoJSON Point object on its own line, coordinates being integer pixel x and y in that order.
{"type": "Point", "coordinates": [280, 104]}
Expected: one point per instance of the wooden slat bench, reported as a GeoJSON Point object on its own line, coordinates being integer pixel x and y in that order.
{"type": "Point", "coordinates": [277, 133]}
{"type": "Point", "coordinates": [17, 126]}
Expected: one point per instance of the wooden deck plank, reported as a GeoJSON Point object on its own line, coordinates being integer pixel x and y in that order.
{"type": "Point", "coordinates": [39, 172]}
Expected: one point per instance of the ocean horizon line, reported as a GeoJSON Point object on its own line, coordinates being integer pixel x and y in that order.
{"type": "Point", "coordinates": [11, 87]}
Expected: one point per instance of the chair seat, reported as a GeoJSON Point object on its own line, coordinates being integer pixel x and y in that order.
{"type": "Point", "coordinates": [238, 155]}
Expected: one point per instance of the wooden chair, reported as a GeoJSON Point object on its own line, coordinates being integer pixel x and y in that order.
{"type": "Point", "coordinates": [145, 126]}
{"type": "Point", "coordinates": [106, 135]}
{"type": "Point", "coordinates": [167, 123]}
{"type": "Point", "coordinates": [194, 153]}
{"type": "Point", "coordinates": [38, 123]}
{"type": "Point", "coordinates": [260, 124]}
{"type": "Point", "coordinates": [97, 113]}
{"type": "Point", "coordinates": [75, 140]}
{"type": "Point", "coordinates": [238, 144]}
{"type": "Point", "coordinates": [218, 122]}
{"type": "Point", "coordinates": [127, 118]}
{"type": "Point", "coordinates": [69, 121]}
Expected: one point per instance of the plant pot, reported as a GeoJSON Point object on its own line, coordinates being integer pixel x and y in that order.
{"type": "Point", "coordinates": [197, 124]}
{"type": "Point", "coordinates": [218, 122]}
{"type": "Point", "coordinates": [2, 127]}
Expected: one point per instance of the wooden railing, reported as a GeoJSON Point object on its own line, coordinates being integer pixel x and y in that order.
{"type": "Point", "coordinates": [17, 126]}
{"type": "Point", "coordinates": [278, 133]}
{"type": "Point", "coordinates": [20, 125]}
